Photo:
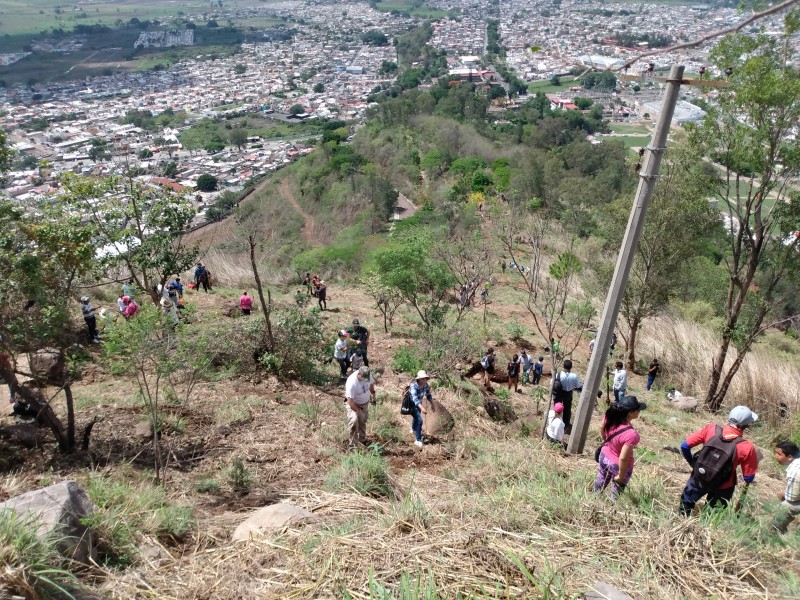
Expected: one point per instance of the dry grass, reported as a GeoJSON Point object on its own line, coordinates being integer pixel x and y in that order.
{"type": "Point", "coordinates": [686, 351]}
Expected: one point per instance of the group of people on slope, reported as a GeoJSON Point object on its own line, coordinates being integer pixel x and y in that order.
{"type": "Point", "coordinates": [714, 467]}
{"type": "Point", "coordinates": [521, 364]}
{"type": "Point", "coordinates": [350, 349]}
{"type": "Point", "coordinates": [317, 288]}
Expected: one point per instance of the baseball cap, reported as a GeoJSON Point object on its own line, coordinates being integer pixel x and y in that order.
{"type": "Point", "coordinates": [355, 322]}
{"type": "Point", "coordinates": [343, 333]}
{"type": "Point", "coordinates": [630, 404]}
{"type": "Point", "coordinates": [364, 372]}
{"type": "Point", "coordinates": [558, 407]}
{"type": "Point", "coordinates": [84, 298]}
{"type": "Point", "coordinates": [742, 416]}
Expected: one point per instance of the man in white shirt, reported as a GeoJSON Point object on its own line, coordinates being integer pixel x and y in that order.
{"type": "Point", "coordinates": [340, 352]}
{"type": "Point", "coordinates": [620, 381]}
{"type": "Point", "coordinates": [569, 383]}
{"type": "Point", "coordinates": [788, 454]}
{"type": "Point", "coordinates": [358, 391]}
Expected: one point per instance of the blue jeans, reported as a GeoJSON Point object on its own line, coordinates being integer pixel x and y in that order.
{"type": "Point", "coordinates": [619, 394]}
{"type": "Point", "coordinates": [650, 380]}
{"type": "Point", "coordinates": [416, 422]}
{"type": "Point", "coordinates": [715, 498]}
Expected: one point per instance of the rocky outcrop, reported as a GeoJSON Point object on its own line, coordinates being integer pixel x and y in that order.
{"type": "Point", "coordinates": [57, 511]}
{"type": "Point", "coordinates": [274, 516]}
{"type": "Point", "coordinates": [48, 365]}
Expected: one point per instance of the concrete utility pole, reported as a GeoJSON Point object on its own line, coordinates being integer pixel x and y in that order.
{"type": "Point", "coordinates": [647, 181]}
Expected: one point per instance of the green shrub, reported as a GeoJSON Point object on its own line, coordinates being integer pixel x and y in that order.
{"type": "Point", "coordinates": [207, 486]}
{"type": "Point", "coordinates": [308, 411]}
{"type": "Point", "coordinates": [239, 476]}
{"type": "Point", "coordinates": [406, 360]}
{"type": "Point", "coordinates": [32, 568]}
{"type": "Point", "coordinates": [366, 473]}
{"type": "Point", "coordinates": [127, 511]}
{"type": "Point", "coordinates": [502, 393]}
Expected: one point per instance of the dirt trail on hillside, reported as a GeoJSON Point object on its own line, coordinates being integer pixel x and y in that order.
{"type": "Point", "coordinates": [308, 227]}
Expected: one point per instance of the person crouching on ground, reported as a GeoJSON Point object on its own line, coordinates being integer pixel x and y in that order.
{"type": "Point", "coordinates": [419, 390]}
{"type": "Point", "coordinates": [788, 454]}
{"type": "Point", "coordinates": [714, 474]}
{"type": "Point", "coordinates": [358, 392]}
{"type": "Point", "coordinates": [555, 426]}
{"type": "Point", "coordinates": [246, 303]}
{"type": "Point", "coordinates": [615, 464]}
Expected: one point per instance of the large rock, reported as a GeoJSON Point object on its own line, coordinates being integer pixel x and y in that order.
{"type": "Point", "coordinates": [274, 516]}
{"type": "Point", "coordinates": [684, 403]}
{"type": "Point", "coordinates": [437, 421]}
{"type": "Point", "coordinates": [57, 510]}
{"type": "Point", "coordinates": [48, 365]}
{"type": "Point", "coordinates": [499, 410]}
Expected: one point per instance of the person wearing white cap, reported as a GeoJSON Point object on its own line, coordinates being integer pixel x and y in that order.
{"type": "Point", "coordinates": [358, 391]}
{"type": "Point", "coordinates": [714, 466]}
{"type": "Point", "coordinates": [340, 351]}
{"type": "Point", "coordinates": [419, 390]}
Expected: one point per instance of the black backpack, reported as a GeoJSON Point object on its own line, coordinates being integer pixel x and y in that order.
{"type": "Point", "coordinates": [713, 465]}
{"type": "Point", "coordinates": [557, 387]}
{"type": "Point", "coordinates": [407, 406]}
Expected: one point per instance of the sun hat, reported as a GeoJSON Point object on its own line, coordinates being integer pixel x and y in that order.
{"type": "Point", "coordinates": [558, 407]}
{"type": "Point", "coordinates": [630, 404]}
{"type": "Point", "coordinates": [742, 416]}
{"type": "Point", "coordinates": [165, 302]}
{"type": "Point", "coordinates": [422, 375]}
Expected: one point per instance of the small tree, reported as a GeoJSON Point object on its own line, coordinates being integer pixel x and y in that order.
{"type": "Point", "coordinates": [296, 109]}
{"type": "Point", "coordinates": [318, 88]}
{"type": "Point", "coordinates": [140, 228]}
{"type": "Point", "coordinates": [238, 137]}
{"type": "Point", "coordinates": [752, 134]}
{"type": "Point", "coordinates": [387, 299]}
{"type": "Point", "coordinates": [207, 183]}
{"type": "Point", "coordinates": [469, 259]}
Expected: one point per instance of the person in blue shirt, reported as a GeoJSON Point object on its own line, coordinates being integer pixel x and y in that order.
{"type": "Point", "coordinates": [178, 286]}
{"type": "Point", "coordinates": [419, 390]}
{"type": "Point", "coordinates": [537, 371]}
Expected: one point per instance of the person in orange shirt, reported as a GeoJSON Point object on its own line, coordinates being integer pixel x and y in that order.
{"type": "Point", "coordinates": [713, 474]}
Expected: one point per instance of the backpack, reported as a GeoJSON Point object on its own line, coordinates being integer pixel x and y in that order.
{"type": "Point", "coordinates": [407, 406]}
{"type": "Point", "coordinates": [485, 361]}
{"type": "Point", "coordinates": [713, 465]}
{"type": "Point", "coordinates": [557, 387]}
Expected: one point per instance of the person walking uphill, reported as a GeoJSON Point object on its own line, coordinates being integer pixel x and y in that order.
{"type": "Point", "coordinates": [322, 295]}
{"type": "Point", "coordinates": [358, 392]}
{"type": "Point", "coordinates": [615, 461]}
{"type": "Point", "coordinates": [569, 383]}
{"type": "Point", "coordinates": [360, 335]}
{"type": "Point", "coordinates": [419, 390]}
{"type": "Point", "coordinates": [714, 467]}
{"type": "Point", "coordinates": [340, 352]}
{"type": "Point", "coordinates": [652, 372]}
{"type": "Point", "coordinates": [90, 319]}
{"type": "Point", "coordinates": [620, 381]}
{"type": "Point", "coordinates": [788, 454]}
{"type": "Point", "coordinates": [246, 303]}
{"type": "Point", "coordinates": [202, 277]}
{"type": "Point", "coordinates": [538, 368]}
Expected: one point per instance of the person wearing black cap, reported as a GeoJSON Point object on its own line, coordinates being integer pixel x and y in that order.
{"type": "Point", "coordinates": [360, 335]}
{"type": "Point", "coordinates": [615, 462]}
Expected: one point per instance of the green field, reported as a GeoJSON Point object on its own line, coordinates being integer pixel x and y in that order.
{"type": "Point", "coordinates": [545, 87]}
{"type": "Point", "coordinates": [412, 7]}
{"type": "Point", "coordinates": [633, 141]}
{"type": "Point", "coordinates": [629, 129]}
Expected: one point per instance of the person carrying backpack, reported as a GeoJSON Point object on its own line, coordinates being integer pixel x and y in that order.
{"type": "Point", "coordinates": [615, 457]}
{"type": "Point", "coordinates": [487, 364]}
{"type": "Point", "coordinates": [566, 382]}
{"type": "Point", "coordinates": [419, 391]}
{"type": "Point", "coordinates": [513, 373]}
{"type": "Point", "coordinates": [526, 362]}
{"type": "Point", "coordinates": [714, 466]}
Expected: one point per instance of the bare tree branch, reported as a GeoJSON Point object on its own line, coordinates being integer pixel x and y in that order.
{"type": "Point", "coordinates": [710, 36]}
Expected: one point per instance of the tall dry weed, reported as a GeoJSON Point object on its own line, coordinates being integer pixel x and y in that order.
{"type": "Point", "coordinates": [234, 270]}
{"type": "Point", "coordinates": [686, 351]}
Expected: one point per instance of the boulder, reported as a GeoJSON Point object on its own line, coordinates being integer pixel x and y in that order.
{"type": "Point", "coordinates": [605, 591]}
{"type": "Point", "coordinates": [685, 403]}
{"type": "Point", "coordinates": [143, 431]}
{"type": "Point", "coordinates": [499, 410]}
{"type": "Point", "coordinates": [438, 420]}
{"type": "Point", "coordinates": [23, 434]}
{"type": "Point", "coordinates": [274, 516]}
{"type": "Point", "coordinates": [57, 510]}
{"type": "Point", "coordinates": [48, 365]}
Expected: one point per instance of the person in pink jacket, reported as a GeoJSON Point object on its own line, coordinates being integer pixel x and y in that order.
{"type": "Point", "coordinates": [245, 303]}
{"type": "Point", "coordinates": [131, 308]}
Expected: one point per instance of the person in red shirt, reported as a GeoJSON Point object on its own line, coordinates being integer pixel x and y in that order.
{"type": "Point", "coordinates": [246, 303]}
{"type": "Point", "coordinates": [739, 419]}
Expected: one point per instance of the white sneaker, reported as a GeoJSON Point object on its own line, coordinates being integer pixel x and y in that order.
{"type": "Point", "coordinates": [418, 443]}
{"type": "Point", "coordinates": [411, 431]}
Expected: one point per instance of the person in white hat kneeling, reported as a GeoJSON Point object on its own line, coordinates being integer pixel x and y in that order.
{"type": "Point", "coordinates": [714, 466]}
{"type": "Point", "coordinates": [419, 390]}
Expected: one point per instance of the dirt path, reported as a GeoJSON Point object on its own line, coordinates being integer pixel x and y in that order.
{"type": "Point", "coordinates": [308, 227]}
